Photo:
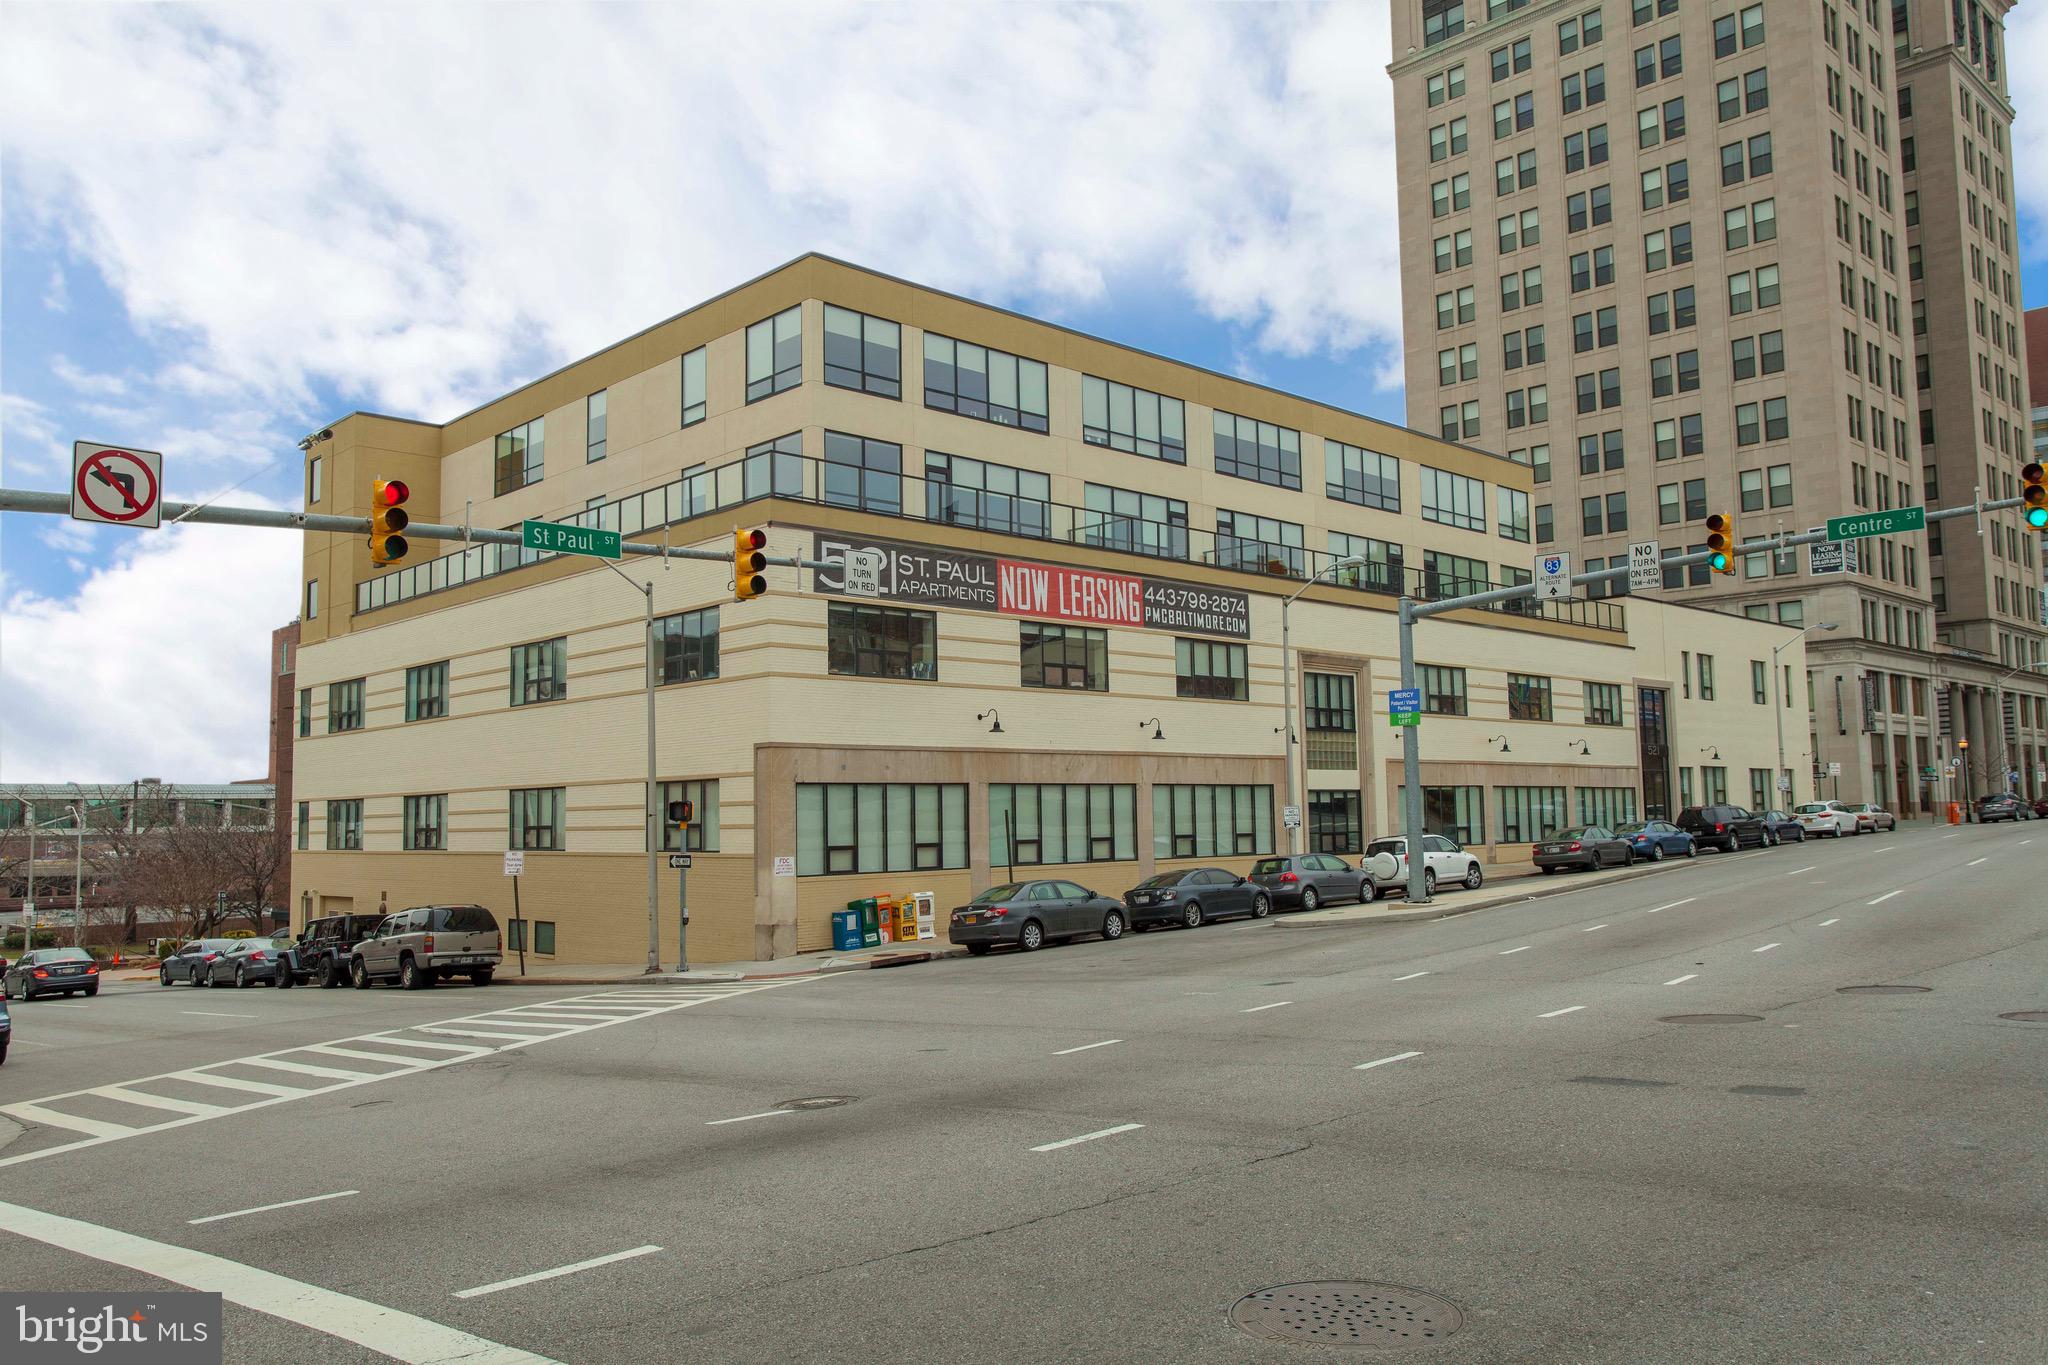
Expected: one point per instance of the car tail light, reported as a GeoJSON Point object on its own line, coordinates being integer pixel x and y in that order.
{"type": "Point", "coordinates": [430, 943]}
{"type": "Point", "coordinates": [1289, 877]}
{"type": "Point", "coordinates": [998, 911]}
{"type": "Point", "coordinates": [498, 941]}
{"type": "Point", "coordinates": [1720, 829]}
{"type": "Point", "coordinates": [92, 969]}
{"type": "Point", "coordinates": [41, 975]}
{"type": "Point", "coordinates": [1166, 895]}
{"type": "Point", "coordinates": [1573, 849]}
{"type": "Point", "coordinates": [257, 956]}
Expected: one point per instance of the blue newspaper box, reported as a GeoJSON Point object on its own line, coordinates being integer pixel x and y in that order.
{"type": "Point", "coordinates": [846, 930]}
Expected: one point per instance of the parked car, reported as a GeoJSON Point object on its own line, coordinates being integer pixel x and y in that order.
{"type": "Point", "coordinates": [6, 1030]}
{"type": "Point", "coordinates": [1587, 846]}
{"type": "Point", "coordinates": [1783, 826]}
{"type": "Point", "coordinates": [251, 962]}
{"type": "Point", "coordinates": [2041, 809]}
{"type": "Point", "coordinates": [323, 950]}
{"type": "Point", "coordinates": [1194, 895]}
{"type": "Point", "coordinates": [1307, 880]}
{"type": "Point", "coordinates": [2000, 806]}
{"type": "Point", "coordinates": [1873, 817]}
{"type": "Point", "coordinates": [1724, 827]}
{"type": "Point", "coordinates": [1444, 863]}
{"type": "Point", "coordinates": [1028, 914]}
{"type": "Point", "coordinates": [418, 947]}
{"type": "Point", "coordinates": [1657, 840]}
{"type": "Point", "coordinates": [192, 962]}
{"type": "Point", "coordinates": [1830, 818]}
{"type": "Point", "coordinates": [50, 971]}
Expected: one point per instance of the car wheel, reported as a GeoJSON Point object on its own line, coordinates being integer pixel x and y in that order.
{"type": "Point", "coordinates": [482, 978]}
{"type": "Point", "coordinates": [1548, 871]}
{"type": "Point", "coordinates": [282, 978]}
{"type": "Point", "coordinates": [1368, 890]}
{"type": "Point", "coordinates": [1031, 937]}
{"type": "Point", "coordinates": [1734, 843]}
{"type": "Point", "coordinates": [1656, 853]}
{"type": "Point", "coordinates": [1474, 878]}
{"type": "Point", "coordinates": [205, 979]}
{"type": "Point", "coordinates": [1428, 882]}
{"type": "Point", "coordinates": [1113, 925]}
{"type": "Point", "coordinates": [1692, 850]}
{"type": "Point", "coordinates": [1191, 915]}
{"type": "Point", "coordinates": [1628, 856]}
{"type": "Point", "coordinates": [411, 977]}
{"type": "Point", "coordinates": [241, 978]}
{"type": "Point", "coordinates": [1309, 899]}
{"type": "Point", "coordinates": [92, 990]}
{"type": "Point", "coordinates": [3, 1053]}
{"type": "Point", "coordinates": [1261, 907]}
{"type": "Point", "coordinates": [978, 949]}
{"type": "Point", "coordinates": [330, 974]}
{"type": "Point", "coordinates": [163, 976]}
{"type": "Point", "coordinates": [359, 975]}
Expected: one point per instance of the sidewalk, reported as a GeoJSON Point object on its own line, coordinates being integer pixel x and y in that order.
{"type": "Point", "coordinates": [1505, 885]}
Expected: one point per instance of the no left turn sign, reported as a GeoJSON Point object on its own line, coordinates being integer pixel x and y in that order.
{"type": "Point", "coordinates": [116, 485]}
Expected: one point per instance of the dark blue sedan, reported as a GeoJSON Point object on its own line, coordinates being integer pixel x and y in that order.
{"type": "Point", "coordinates": [1656, 840]}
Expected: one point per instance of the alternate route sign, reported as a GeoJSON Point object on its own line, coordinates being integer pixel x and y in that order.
{"type": "Point", "coordinates": [115, 485]}
{"type": "Point", "coordinates": [1553, 577]}
{"type": "Point", "coordinates": [1877, 523]}
{"type": "Point", "coordinates": [555, 538]}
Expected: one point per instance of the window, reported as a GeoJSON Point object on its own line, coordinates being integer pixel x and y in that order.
{"type": "Point", "coordinates": [594, 427]}
{"type": "Point", "coordinates": [703, 831]}
{"type": "Point", "coordinates": [1210, 669]}
{"type": "Point", "coordinates": [426, 691]}
{"type": "Point", "coordinates": [1529, 813]}
{"type": "Point", "coordinates": [1780, 479]}
{"type": "Point", "coordinates": [985, 384]}
{"type": "Point", "coordinates": [1448, 575]}
{"type": "Point", "coordinates": [1261, 451]}
{"type": "Point", "coordinates": [536, 818]}
{"type": "Point", "coordinates": [344, 824]}
{"type": "Point", "coordinates": [1142, 422]}
{"type": "Point", "coordinates": [1603, 703]}
{"type": "Point", "coordinates": [864, 473]}
{"type": "Point", "coordinates": [313, 480]}
{"type": "Point", "coordinates": [1442, 19]}
{"type": "Point", "coordinates": [1457, 813]}
{"type": "Point", "coordinates": [540, 672]}
{"type": "Point", "coordinates": [693, 387]}
{"type": "Point", "coordinates": [1256, 544]}
{"type": "Point", "coordinates": [776, 468]}
{"type": "Point", "coordinates": [996, 497]}
{"type": "Point", "coordinates": [881, 642]}
{"type": "Point", "coordinates": [688, 642]}
{"type": "Point", "coordinates": [1211, 821]}
{"type": "Point", "coordinates": [1511, 513]}
{"type": "Point", "coordinates": [1453, 499]}
{"type": "Point", "coordinates": [1512, 59]}
{"type": "Point", "coordinates": [312, 599]}
{"type": "Point", "coordinates": [1706, 667]}
{"type": "Point", "coordinates": [1141, 523]}
{"type": "Point", "coordinates": [1383, 570]}
{"type": "Point", "coordinates": [1453, 306]}
{"type": "Point", "coordinates": [426, 823]}
{"type": "Point", "coordinates": [1606, 806]}
{"type": "Point", "coordinates": [1335, 822]}
{"type": "Point", "coordinates": [1049, 823]}
{"type": "Point", "coordinates": [1064, 656]}
{"type": "Point", "coordinates": [305, 712]}
{"type": "Point", "coordinates": [305, 826]}
{"type": "Point", "coordinates": [775, 354]}
{"type": "Point", "coordinates": [1329, 703]}
{"type": "Point", "coordinates": [1528, 697]}
{"type": "Point", "coordinates": [1443, 689]}
{"type": "Point", "coordinates": [863, 353]}
{"type": "Point", "coordinates": [1365, 477]}
{"type": "Point", "coordinates": [1759, 676]}
{"type": "Point", "coordinates": [345, 705]}
{"type": "Point", "coordinates": [521, 456]}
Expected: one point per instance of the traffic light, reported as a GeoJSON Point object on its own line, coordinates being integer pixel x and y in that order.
{"type": "Point", "coordinates": [2034, 494]}
{"type": "Point", "coordinates": [387, 519]}
{"type": "Point", "coordinates": [1721, 541]}
{"type": "Point", "coordinates": [748, 563]}
{"type": "Point", "coordinates": [681, 813]}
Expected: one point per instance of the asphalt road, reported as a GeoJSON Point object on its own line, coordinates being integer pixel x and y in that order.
{"type": "Point", "coordinates": [1496, 1109]}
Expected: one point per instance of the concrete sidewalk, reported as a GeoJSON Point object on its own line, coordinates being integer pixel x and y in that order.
{"type": "Point", "coordinates": [1505, 886]}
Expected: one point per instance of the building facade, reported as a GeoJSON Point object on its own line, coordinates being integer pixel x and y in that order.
{"type": "Point", "coordinates": [284, 723]}
{"type": "Point", "coordinates": [1071, 667]}
{"type": "Point", "coordinates": [1683, 258]}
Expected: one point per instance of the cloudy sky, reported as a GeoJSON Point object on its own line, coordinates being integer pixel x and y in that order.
{"type": "Point", "coordinates": [221, 226]}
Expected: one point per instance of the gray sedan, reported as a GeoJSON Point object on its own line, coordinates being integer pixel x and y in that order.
{"type": "Point", "coordinates": [251, 962]}
{"type": "Point", "coordinates": [1027, 914]}
{"type": "Point", "coordinates": [1311, 879]}
{"type": "Point", "coordinates": [1193, 896]}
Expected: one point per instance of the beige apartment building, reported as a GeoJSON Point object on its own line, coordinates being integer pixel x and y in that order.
{"type": "Point", "coordinates": [1681, 257]}
{"type": "Point", "coordinates": [1073, 667]}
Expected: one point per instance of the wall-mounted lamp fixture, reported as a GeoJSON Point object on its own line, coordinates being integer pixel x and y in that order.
{"type": "Point", "coordinates": [1585, 750]}
{"type": "Point", "coordinates": [1157, 733]}
{"type": "Point", "coordinates": [1710, 749]}
{"type": "Point", "coordinates": [990, 715]}
{"type": "Point", "coordinates": [1501, 740]}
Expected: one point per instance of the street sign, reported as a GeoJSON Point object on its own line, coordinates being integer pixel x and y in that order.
{"type": "Point", "coordinates": [1404, 706]}
{"type": "Point", "coordinates": [515, 862]}
{"type": "Point", "coordinates": [1834, 770]}
{"type": "Point", "coordinates": [552, 537]}
{"type": "Point", "coordinates": [1400, 719]}
{"type": "Point", "coordinates": [1784, 783]}
{"type": "Point", "coordinates": [1553, 577]}
{"type": "Point", "coordinates": [1877, 523]}
{"type": "Point", "coordinates": [115, 485]}
{"type": "Point", "coordinates": [785, 866]}
{"type": "Point", "coordinates": [1290, 817]}
{"type": "Point", "coordinates": [1645, 568]}
{"type": "Point", "coordinates": [1929, 774]}
{"type": "Point", "coordinates": [678, 861]}
{"type": "Point", "coordinates": [862, 574]}
{"type": "Point", "coordinates": [1830, 557]}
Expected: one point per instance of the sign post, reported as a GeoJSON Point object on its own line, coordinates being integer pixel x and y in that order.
{"type": "Point", "coordinates": [515, 863]}
{"type": "Point", "coordinates": [1290, 816]}
{"type": "Point", "coordinates": [1404, 707]}
{"type": "Point", "coordinates": [1554, 577]}
{"type": "Point", "coordinates": [116, 486]}
{"type": "Point", "coordinates": [1645, 566]}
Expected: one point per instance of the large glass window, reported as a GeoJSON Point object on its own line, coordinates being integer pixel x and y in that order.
{"type": "Point", "coordinates": [1528, 697]}
{"type": "Point", "coordinates": [1142, 523]}
{"type": "Point", "coordinates": [775, 354]}
{"type": "Point", "coordinates": [1064, 656]}
{"type": "Point", "coordinates": [1212, 669]}
{"type": "Point", "coordinates": [1211, 821]}
{"type": "Point", "coordinates": [305, 712]}
{"type": "Point", "coordinates": [1134, 420]}
{"type": "Point", "coordinates": [594, 426]}
{"type": "Point", "coordinates": [1457, 813]}
{"type": "Point", "coordinates": [1453, 499]}
{"type": "Point", "coordinates": [863, 473]}
{"type": "Point", "coordinates": [776, 469]}
{"type": "Point", "coordinates": [703, 831]}
{"type": "Point", "coordinates": [1366, 477]}
{"type": "Point", "coordinates": [1443, 689]}
{"type": "Point", "coordinates": [1037, 824]}
{"type": "Point", "coordinates": [694, 406]}
{"type": "Point", "coordinates": [1529, 813]}
{"type": "Point", "coordinates": [1511, 509]}
{"type": "Point", "coordinates": [1382, 569]}
{"type": "Point", "coordinates": [1244, 541]}
{"type": "Point", "coordinates": [344, 824]}
{"type": "Point", "coordinates": [540, 671]}
{"type": "Point", "coordinates": [1448, 575]}
{"type": "Point", "coordinates": [863, 352]}
{"type": "Point", "coordinates": [688, 642]}
{"type": "Point", "coordinates": [1606, 806]}
{"type": "Point", "coordinates": [844, 827]}
{"type": "Point", "coordinates": [1603, 703]}
{"type": "Point", "coordinates": [305, 826]}
{"type": "Point", "coordinates": [988, 385]}
{"type": "Point", "coordinates": [536, 818]}
{"type": "Point", "coordinates": [1335, 822]}
{"type": "Point", "coordinates": [426, 823]}
{"type": "Point", "coordinates": [426, 691]}
{"type": "Point", "coordinates": [345, 705]}
{"type": "Point", "coordinates": [1330, 715]}
{"type": "Point", "coordinates": [1261, 451]}
{"type": "Point", "coordinates": [882, 642]}
{"type": "Point", "coordinates": [521, 456]}
{"type": "Point", "coordinates": [995, 497]}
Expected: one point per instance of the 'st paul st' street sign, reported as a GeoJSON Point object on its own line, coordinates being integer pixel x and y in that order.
{"type": "Point", "coordinates": [1877, 523]}
{"type": "Point", "coordinates": [551, 537]}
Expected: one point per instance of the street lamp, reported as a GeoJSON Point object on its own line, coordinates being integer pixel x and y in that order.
{"type": "Point", "coordinates": [1778, 691]}
{"type": "Point", "coordinates": [1287, 680]}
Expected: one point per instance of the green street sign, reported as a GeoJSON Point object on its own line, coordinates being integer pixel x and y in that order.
{"type": "Point", "coordinates": [1401, 718]}
{"type": "Point", "coordinates": [552, 537]}
{"type": "Point", "coordinates": [1877, 523]}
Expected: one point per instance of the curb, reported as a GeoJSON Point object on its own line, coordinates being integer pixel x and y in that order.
{"type": "Point", "coordinates": [1454, 908]}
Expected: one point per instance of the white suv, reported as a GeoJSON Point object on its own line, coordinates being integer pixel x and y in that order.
{"type": "Point", "coordinates": [1444, 864]}
{"type": "Point", "coordinates": [1831, 818]}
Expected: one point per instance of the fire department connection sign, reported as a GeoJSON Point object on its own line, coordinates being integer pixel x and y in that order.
{"type": "Point", "coordinates": [115, 485]}
{"type": "Point", "coordinates": [936, 577]}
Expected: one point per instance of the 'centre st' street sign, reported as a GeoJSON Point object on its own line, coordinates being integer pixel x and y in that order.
{"type": "Point", "coordinates": [1877, 523]}
{"type": "Point", "coordinates": [552, 537]}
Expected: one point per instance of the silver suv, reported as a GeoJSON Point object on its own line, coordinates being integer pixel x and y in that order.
{"type": "Point", "coordinates": [418, 947]}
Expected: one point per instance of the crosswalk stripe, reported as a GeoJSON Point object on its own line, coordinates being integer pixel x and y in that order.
{"type": "Point", "coordinates": [335, 1050]}
{"type": "Point", "coordinates": [300, 1068]}
{"type": "Point", "coordinates": [236, 1083]}
{"type": "Point", "coordinates": [149, 1101]}
{"type": "Point", "coordinates": [478, 1033]}
{"type": "Point", "coordinates": [470, 1048]}
{"type": "Point", "coordinates": [35, 1113]}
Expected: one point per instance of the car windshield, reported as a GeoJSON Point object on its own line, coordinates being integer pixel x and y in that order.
{"type": "Point", "coordinates": [463, 919]}
{"type": "Point", "coordinates": [1633, 827]}
{"type": "Point", "coordinates": [65, 955]}
{"type": "Point", "coordinates": [1266, 865]}
{"type": "Point", "coordinates": [1163, 879]}
{"type": "Point", "coordinates": [1575, 832]}
{"type": "Point", "coordinates": [1393, 846]}
{"type": "Point", "coordinates": [999, 893]}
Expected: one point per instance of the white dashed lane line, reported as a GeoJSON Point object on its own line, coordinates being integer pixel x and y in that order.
{"type": "Point", "coordinates": [1512, 951]}
{"type": "Point", "coordinates": [1956, 835]}
{"type": "Point", "coordinates": [1411, 976]}
{"type": "Point", "coordinates": [1681, 980]}
{"type": "Point", "coordinates": [1088, 1137]}
{"type": "Point", "coordinates": [1974, 861]}
{"type": "Point", "coordinates": [1886, 896]}
{"type": "Point", "coordinates": [1767, 947]}
{"type": "Point", "coordinates": [744, 1118]}
{"type": "Point", "coordinates": [1673, 905]}
{"type": "Point", "coordinates": [266, 1208]}
{"type": "Point", "coordinates": [216, 1014]}
{"type": "Point", "coordinates": [1085, 1047]}
{"type": "Point", "coordinates": [1826, 922]}
{"type": "Point", "coordinates": [1592, 928]}
{"type": "Point", "coordinates": [1385, 1061]}
{"type": "Point", "coordinates": [555, 1274]}
{"type": "Point", "coordinates": [1568, 1009]}
{"type": "Point", "coordinates": [1797, 870]}
{"type": "Point", "coordinates": [1274, 1006]}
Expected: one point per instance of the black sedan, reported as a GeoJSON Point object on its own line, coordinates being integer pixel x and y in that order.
{"type": "Point", "coordinates": [1779, 827]}
{"type": "Point", "coordinates": [1028, 914]}
{"type": "Point", "coordinates": [1587, 846]}
{"type": "Point", "coordinates": [50, 971]}
{"type": "Point", "coordinates": [194, 961]}
{"type": "Point", "coordinates": [251, 962]}
{"type": "Point", "coordinates": [1192, 895]}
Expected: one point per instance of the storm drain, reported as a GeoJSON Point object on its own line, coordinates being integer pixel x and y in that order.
{"type": "Point", "coordinates": [1710, 1019]}
{"type": "Point", "coordinates": [2028, 1016]}
{"type": "Point", "coordinates": [1359, 1313]}
{"type": "Point", "coordinates": [818, 1102]}
{"type": "Point", "coordinates": [1882, 990]}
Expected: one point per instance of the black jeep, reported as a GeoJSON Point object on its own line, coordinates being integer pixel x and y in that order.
{"type": "Point", "coordinates": [323, 950]}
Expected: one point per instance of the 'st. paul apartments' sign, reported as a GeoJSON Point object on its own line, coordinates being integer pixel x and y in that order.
{"type": "Point", "coordinates": [930, 576]}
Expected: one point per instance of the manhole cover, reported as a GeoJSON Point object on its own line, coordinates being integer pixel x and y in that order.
{"type": "Point", "coordinates": [818, 1102]}
{"type": "Point", "coordinates": [1882, 990]}
{"type": "Point", "coordinates": [1378, 1317]}
{"type": "Point", "coordinates": [2028, 1016]}
{"type": "Point", "coordinates": [1710, 1019]}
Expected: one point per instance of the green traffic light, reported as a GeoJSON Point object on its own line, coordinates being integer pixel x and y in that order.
{"type": "Point", "coordinates": [2037, 517]}
{"type": "Point", "coordinates": [1718, 563]}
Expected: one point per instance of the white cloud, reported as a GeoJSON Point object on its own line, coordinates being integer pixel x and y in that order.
{"type": "Point", "coordinates": [158, 666]}
{"type": "Point", "coordinates": [84, 381]}
{"type": "Point", "coordinates": [56, 294]}
{"type": "Point", "coordinates": [29, 441]}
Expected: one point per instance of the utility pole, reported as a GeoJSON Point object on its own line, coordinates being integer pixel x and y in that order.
{"type": "Point", "coordinates": [651, 824]}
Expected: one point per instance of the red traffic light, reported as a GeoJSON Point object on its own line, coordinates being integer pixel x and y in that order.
{"type": "Point", "coordinates": [389, 492]}
{"type": "Point", "coordinates": [387, 519]}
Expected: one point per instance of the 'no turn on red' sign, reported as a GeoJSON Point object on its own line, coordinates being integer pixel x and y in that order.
{"type": "Point", "coordinates": [115, 485]}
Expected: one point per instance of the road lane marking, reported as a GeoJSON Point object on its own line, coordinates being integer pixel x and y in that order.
{"type": "Point", "coordinates": [1741, 856]}
{"type": "Point", "coordinates": [1568, 1009]}
{"type": "Point", "coordinates": [1957, 835]}
{"type": "Point", "coordinates": [1274, 1006]}
{"type": "Point", "coordinates": [555, 1274]}
{"type": "Point", "coordinates": [216, 1014]}
{"type": "Point", "coordinates": [1592, 928]}
{"type": "Point", "coordinates": [1826, 922]}
{"type": "Point", "coordinates": [764, 1114]}
{"type": "Point", "coordinates": [1384, 1061]}
{"type": "Point", "coordinates": [1107, 1042]}
{"type": "Point", "coordinates": [35, 1113]}
{"type": "Point", "coordinates": [1511, 951]}
{"type": "Point", "coordinates": [1886, 849]}
{"type": "Point", "coordinates": [1797, 870]}
{"type": "Point", "coordinates": [1411, 976]}
{"type": "Point", "coordinates": [1766, 948]}
{"type": "Point", "coordinates": [2025, 842]}
{"type": "Point", "coordinates": [1887, 896]}
{"type": "Point", "coordinates": [1089, 1137]}
{"type": "Point", "coordinates": [387, 1331]}
{"type": "Point", "coordinates": [286, 1092]}
{"type": "Point", "coordinates": [1974, 861]}
{"type": "Point", "coordinates": [266, 1208]}
{"type": "Point", "coordinates": [148, 1101]}
{"type": "Point", "coordinates": [1681, 980]}
{"type": "Point", "coordinates": [60, 1005]}
{"type": "Point", "coordinates": [301, 1068]}
{"type": "Point", "coordinates": [1673, 905]}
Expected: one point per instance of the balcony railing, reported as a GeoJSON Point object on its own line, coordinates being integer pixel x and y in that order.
{"type": "Point", "coordinates": [938, 501]}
